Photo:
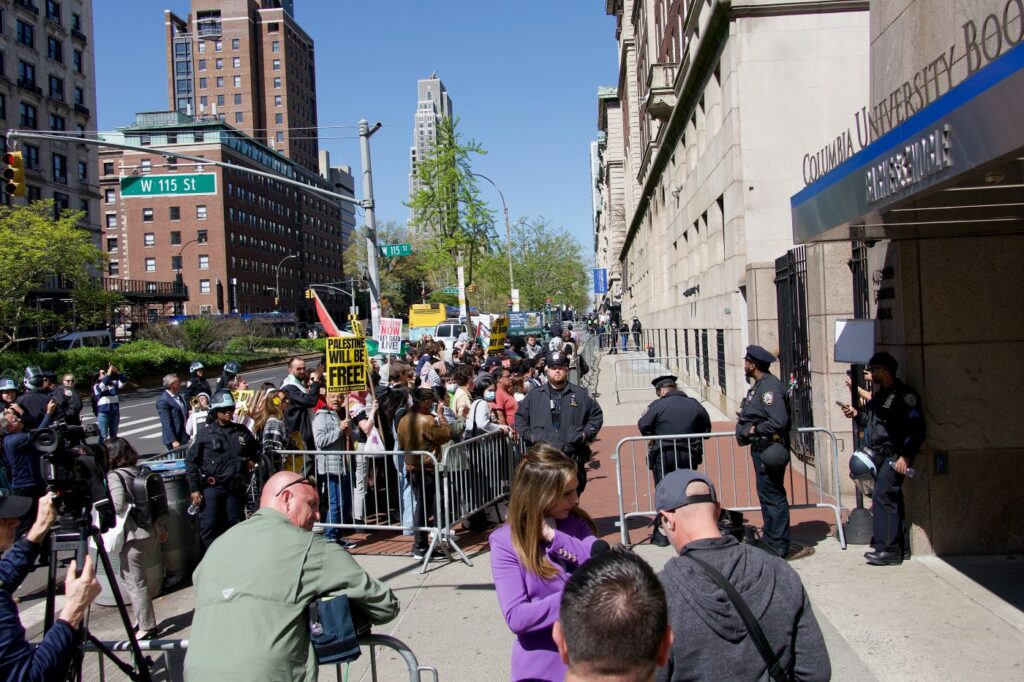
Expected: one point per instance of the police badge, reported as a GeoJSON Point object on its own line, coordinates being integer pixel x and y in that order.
{"type": "Point", "coordinates": [768, 398]}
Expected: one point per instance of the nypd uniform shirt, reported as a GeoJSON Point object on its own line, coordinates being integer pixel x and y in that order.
{"type": "Point", "coordinates": [893, 420]}
{"type": "Point", "coordinates": [765, 408]}
{"type": "Point", "coordinates": [218, 452]}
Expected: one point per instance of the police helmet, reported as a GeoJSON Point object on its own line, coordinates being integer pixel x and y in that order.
{"type": "Point", "coordinates": [862, 466]}
{"type": "Point", "coordinates": [222, 401]}
{"type": "Point", "coordinates": [7, 385]}
{"type": "Point", "coordinates": [195, 367]}
{"type": "Point", "coordinates": [33, 377]}
{"type": "Point", "coordinates": [231, 367]}
{"type": "Point", "coordinates": [775, 456]}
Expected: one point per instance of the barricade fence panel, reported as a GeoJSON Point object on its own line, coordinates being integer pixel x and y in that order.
{"type": "Point", "coordinates": [641, 460]}
{"type": "Point", "coordinates": [630, 375]}
{"type": "Point", "coordinates": [169, 660]}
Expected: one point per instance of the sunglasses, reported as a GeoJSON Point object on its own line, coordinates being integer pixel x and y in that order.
{"type": "Point", "coordinates": [305, 479]}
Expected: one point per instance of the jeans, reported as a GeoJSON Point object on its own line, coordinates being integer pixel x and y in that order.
{"type": "Point", "coordinates": [771, 490]}
{"type": "Point", "coordinates": [107, 423]}
{"type": "Point", "coordinates": [405, 494]}
{"type": "Point", "coordinates": [887, 512]}
{"type": "Point", "coordinates": [222, 508]}
{"type": "Point", "coordinates": [625, 341]}
{"type": "Point", "coordinates": [422, 482]}
{"type": "Point", "coordinates": [339, 503]}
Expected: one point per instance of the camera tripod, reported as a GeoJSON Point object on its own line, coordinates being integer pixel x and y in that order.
{"type": "Point", "coordinates": [72, 534]}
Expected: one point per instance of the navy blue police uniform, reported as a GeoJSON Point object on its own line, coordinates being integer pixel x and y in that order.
{"type": "Point", "coordinates": [675, 412]}
{"type": "Point", "coordinates": [762, 422]}
{"type": "Point", "coordinates": [568, 419]}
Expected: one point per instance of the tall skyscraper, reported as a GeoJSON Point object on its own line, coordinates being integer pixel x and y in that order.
{"type": "Point", "coordinates": [433, 104]}
{"type": "Point", "coordinates": [247, 63]}
{"type": "Point", "coordinates": [49, 84]}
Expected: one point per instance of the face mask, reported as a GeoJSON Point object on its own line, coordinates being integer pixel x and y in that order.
{"type": "Point", "coordinates": [490, 396]}
{"type": "Point", "coordinates": [451, 387]}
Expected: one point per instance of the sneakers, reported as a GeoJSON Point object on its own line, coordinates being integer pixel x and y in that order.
{"type": "Point", "coordinates": [419, 552]}
{"type": "Point", "coordinates": [797, 552]}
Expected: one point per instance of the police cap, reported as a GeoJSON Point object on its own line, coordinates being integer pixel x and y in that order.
{"type": "Point", "coordinates": [664, 380]}
{"type": "Point", "coordinates": [222, 401]}
{"type": "Point", "coordinates": [759, 355]}
{"type": "Point", "coordinates": [556, 359]}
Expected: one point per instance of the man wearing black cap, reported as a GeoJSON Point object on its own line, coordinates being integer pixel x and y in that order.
{"type": "Point", "coordinates": [894, 430]}
{"type": "Point", "coordinates": [673, 412]}
{"type": "Point", "coordinates": [763, 424]}
{"type": "Point", "coordinates": [561, 414]}
{"type": "Point", "coordinates": [712, 640]}
{"type": "Point", "coordinates": [51, 658]}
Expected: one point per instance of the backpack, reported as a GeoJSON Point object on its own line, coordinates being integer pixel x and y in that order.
{"type": "Point", "coordinates": [148, 496]}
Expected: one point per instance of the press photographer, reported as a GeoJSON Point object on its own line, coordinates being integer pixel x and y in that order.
{"type": "Point", "coordinates": [52, 658]}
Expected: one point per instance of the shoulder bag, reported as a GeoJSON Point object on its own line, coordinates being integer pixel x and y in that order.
{"type": "Point", "coordinates": [775, 669]}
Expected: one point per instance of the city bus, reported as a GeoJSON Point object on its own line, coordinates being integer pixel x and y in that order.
{"type": "Point", "coordinates": [424, 318]}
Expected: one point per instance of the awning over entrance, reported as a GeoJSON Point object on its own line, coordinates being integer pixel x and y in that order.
{"type": "Point", "coordinates": [955, 167]}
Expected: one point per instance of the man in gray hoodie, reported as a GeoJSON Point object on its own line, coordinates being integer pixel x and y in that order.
{"type": "Point", "coordinates": [711, 639]}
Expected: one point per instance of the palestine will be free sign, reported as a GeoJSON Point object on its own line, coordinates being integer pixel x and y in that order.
{"type": "Point", "coordinates": [346, 364]}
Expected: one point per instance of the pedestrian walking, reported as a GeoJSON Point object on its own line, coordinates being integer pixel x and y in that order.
{"type": "Point", "coordinates": [673, 412]}
{"type": "Point", "coordinates": [894, 429]}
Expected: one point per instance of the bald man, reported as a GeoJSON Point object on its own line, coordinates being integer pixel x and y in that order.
{"type": "Point", "coordinates": [711, 640]}
{"type": "Point", "coordinates": [256, 582]}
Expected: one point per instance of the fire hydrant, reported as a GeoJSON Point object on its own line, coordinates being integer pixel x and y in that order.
{"type": "Point", "coordinates": [650, 353]}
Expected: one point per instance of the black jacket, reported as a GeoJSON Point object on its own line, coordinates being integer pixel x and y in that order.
{"type": "Point", "coordinates": [219, 452]}
{"type": "Point", "coordinates": [34, 403]}
{"type": "Point", "coordinates": [194, 387]}
{"type": "Point", "coordinates": [767, 408]}
{"type": "Point", "coordinates": [567, 419]}
{"type": "Point", "coordinates": [675, 412]}
{"type": "Point", "coordinates": [298, 416]}
{"type": "Point", "coordinates": [894, 422]}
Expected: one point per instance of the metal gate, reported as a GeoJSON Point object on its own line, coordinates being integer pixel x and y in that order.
{"type": "Point", "coordinates": [794, 346]}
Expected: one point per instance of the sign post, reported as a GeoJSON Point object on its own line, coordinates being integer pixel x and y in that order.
{"type": "Point", "coordinates": [463, 310]}
{"type": "Point", "coordinates": [346, 364]}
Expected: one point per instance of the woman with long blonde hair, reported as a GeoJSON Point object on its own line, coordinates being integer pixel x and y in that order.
{"type": "Point", "coordinates": [546, 538]}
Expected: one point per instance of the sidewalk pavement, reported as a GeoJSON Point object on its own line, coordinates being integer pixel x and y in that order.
{"type": "Point", "coordinates": [925, 620]}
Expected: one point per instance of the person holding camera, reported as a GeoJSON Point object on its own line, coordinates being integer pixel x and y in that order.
{"type": "Point", "coordinates": [214, 468]}
{"type": "Point", "coordinates": [108, 408]}
{"type": "Point", "coordinates": [562, 414]}
{"type": "Point", "coordinates": [139, 540]}
{"type": "Point", "coordinates": [22, 461]}
{"type": "Point", "coordinates": [51, 658]}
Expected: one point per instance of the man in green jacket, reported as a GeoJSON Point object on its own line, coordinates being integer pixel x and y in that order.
{"type": "Point", "coordinates": [256, 581]}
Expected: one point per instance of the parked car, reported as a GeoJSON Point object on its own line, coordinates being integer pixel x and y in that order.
{"type": "Point", "coordinates": [94, 339]}
{"type": "Point", "coordinates": [449, 331]}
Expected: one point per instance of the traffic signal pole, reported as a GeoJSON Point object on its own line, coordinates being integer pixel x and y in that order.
{"type": "Point", "coordinates": [365, 133]}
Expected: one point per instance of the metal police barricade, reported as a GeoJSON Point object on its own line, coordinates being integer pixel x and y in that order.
{"type": "Point", "coordinates": [176, 453]}
{"type": "Point", "coordinates": [477, 474]}
{"type": "Point", "coordinates": [730, 467]}
{"type": "Point", "coordinates": [368, 483]}
{"type": "Point", "coordinates": [589, 353]}
{"type": "Point", "coordinates": [636, 374]}
{"type": "Point", "coordinates": [169, 665]}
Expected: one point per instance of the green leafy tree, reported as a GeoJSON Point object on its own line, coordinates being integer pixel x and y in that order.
{"type": "Point", "coordinates": [401, 278]}
{"type": "Point", "coordinates": [36, 250]}
{"type": "Point", "coordinates": [447, 205]}
{"type": "Point", "coordinates": [546, 262]}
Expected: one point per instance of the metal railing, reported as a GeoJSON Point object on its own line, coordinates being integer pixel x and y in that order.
{"type": "Point", "coordinates": [173, 658]}
{"type": "Point", "coordinates": [636, 374]}
{"type": "Point", "coordinates": [730, 468]}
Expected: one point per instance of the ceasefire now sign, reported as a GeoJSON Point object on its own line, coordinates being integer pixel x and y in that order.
{"type": "Point", "coordinates": [186, 184]}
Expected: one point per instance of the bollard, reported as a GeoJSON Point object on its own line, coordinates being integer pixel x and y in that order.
{"type": "Point", "coordinates": [650, 353]}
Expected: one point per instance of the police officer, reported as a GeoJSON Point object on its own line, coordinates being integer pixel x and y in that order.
{"type": "Point", "coordinates": [561, 414]}
{"type": "Point", "coordinates": [215, 466]}
{"type": "Point", "coordinates": [763, 424]}
{"type": "Point", "coordinates": [72, 400]}
{"type": "Point", "coordinates": [197, 383]}
{"type": "Point", "coordinates": [34, 400]}
{"type": "Point", "coordinates": [894, 430]}
{"type": "Point", "coordinates": [673, 412]}
{"type": "Point", "coordinates": [231, 370]}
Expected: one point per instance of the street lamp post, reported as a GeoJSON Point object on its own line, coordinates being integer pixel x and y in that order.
{"type": "Point", "coordinates": [181, 280]}
{"type": "Point", "coordinates": [508, 232]}
{"type": "Point", "coordinates": [277, 280]}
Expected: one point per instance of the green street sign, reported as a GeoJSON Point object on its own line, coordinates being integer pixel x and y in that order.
{"type": "Point", "coordinates": [395, 250]}
{"type": "Point", "coordinates": [450, 290]}
{"type": "Point", "coordinates": [186, 184]}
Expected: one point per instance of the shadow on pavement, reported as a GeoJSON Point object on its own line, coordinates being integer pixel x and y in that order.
{"type": "Point", "coordinates": [999, 574]}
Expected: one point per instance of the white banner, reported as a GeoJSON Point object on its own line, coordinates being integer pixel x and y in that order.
{"type": "Point", "coordinates": [390, 336]}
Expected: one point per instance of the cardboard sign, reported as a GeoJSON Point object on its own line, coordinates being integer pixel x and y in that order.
{"type": "Point", "coordinates": [346, 364]}
{"type": "Point", "coordinates": [499, 331]}
{"type": "Point", "coordinates": [242, 397]}
{"type": "Point", "coordinates": [390, 339]}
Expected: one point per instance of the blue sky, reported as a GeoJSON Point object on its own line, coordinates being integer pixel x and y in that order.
{"type": "Point", "coordinates": [522, 74]}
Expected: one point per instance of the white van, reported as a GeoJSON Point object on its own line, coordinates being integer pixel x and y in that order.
{"type": "Point", "coordinates": [449, 331]}
{"type": "Point", "coordinates": [95, 339]}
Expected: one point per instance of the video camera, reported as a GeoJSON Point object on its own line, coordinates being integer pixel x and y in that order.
{"type": "Point", "coordinates": [74, 472]}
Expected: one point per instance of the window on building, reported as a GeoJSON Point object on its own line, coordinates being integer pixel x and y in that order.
{"type": "Point", "coordinates": [79, 95]}
{"type": "Point", "coordinates": [239, 117]}
{"type": "Point", "coordinates": [273, 27]}
{"type": "Point", "coordinates": [279, 136]}
{"type": "Point", "coordinates": [202, 236]}
{"type": "Point", "coordinates": [202, 63]}
{"type": "Point", "coordinates": [26, 34]}
{"type": "Point", "coordinates": [218, 63]}
{"type": "Point", "coordinates": [220, 81]}
{"type": "Point", "coordinates": [204, 102]}
{"type": "Point", "coordinates": [3, 105]}
{"type": "Point", "coordinates": [83, 171]}
{"type": "Point", "coordinates": [109, 196]}
{"type": "Point", "coordinates": [149, 239]}
{"type": "Point", "coordinates": [204, 286]}
{"type": "Point", "coordinates": [76, 60]}
{"type": "Point", "coordinates": [174, 213]}
{"type": "Point", "coordinates": [61, 203]}
{"type": "Point", "coordinates": [111, 221]}
{"type": "Point", "coordinates": [57, 122]}
{"type": "Point", "coordinates": [53, 10]}
{"type": "Point", "coordinates": [236, 43]}
{"type": "Point", "coordinates": [147, 215]}
{"type": "Point", "coordinates": [145, 165]}
{"type": "Point", "coordinates": [220, 100]}
{"type": "Point", "coordinates": [237, 80]}
{"type": "Point", "coordinates": [111, 244]}
{"type": "Point", "coordinates": [55, 49]}
{"type": "Point", "coordinates": [276, 65]}
{"type": "Point", "coordinates": [175, 237]}
{"type": "Point", "coordinates": [83, 206]}
{"type": "Point", "coordinates": [113, 268]}
{"type": "Point", "coordinates": [236, 62]}
{"type": "Point", "coordinates": [202, 46]}
{"type": "Point", "coordinates": [238, 98]}
{"type": "Point", "coordinates": [151, 265]}
{"type": "Point", "coordinates": [200, 212]}
{"type": "Point", "coordinates": [720, 342]}
{"type": "Point", "coordinates": [60, 168]}
{"type": "Point", "coordinates": [28, 115]}
{"type": "Point", "coordinates": [277, 81]}
{"type": "Point", "coordinates": [108, 167]}
{"type": "Point", "coordinates": [277, 100]}
{"type": "Point", "coordinates": [33, 193]}
{"type": "Point", "coordinates": [56, 87]}
{"type": "Point", "coordinates": [202, 82]}
{"type": "Point", "coordinates": [275, 46]}
{"type": "Point", "coordinates": [26, 73]}
{"type": "Point", "coordinates": [76, 22]}
{"type": "Point", "coordinates": [278, 119]}
{"type": "Point", "coordinates": [175, 262]}
{"type": "Point", "coordinates": [218, 46]}
{"type": "Point", "coordinates": [204, 262]}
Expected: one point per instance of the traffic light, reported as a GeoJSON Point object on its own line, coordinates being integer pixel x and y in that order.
{"type": "Point", "coordinates": [309, 293]}
{"type": "Point", "coordinates": [471, 288]}
{"type": "Point", "coordinates": [14, 174]}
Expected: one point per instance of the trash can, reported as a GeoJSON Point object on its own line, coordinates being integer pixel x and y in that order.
{"type": "Point", "coordinates": [181, 551]}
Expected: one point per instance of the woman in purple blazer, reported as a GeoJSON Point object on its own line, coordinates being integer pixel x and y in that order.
{"type": "Point", "coordinates": [532, 556]}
